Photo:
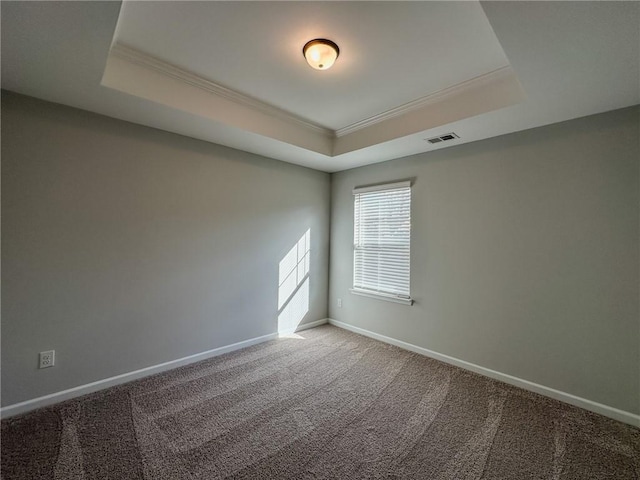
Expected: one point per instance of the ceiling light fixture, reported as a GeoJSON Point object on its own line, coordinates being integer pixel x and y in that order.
{"type": "Point", "coordinates": [320, 53]}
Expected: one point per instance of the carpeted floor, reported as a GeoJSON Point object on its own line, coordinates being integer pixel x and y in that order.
{"type": "Point", "coordinates": [331, 404]}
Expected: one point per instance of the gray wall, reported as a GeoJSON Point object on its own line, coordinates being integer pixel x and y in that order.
{"type": "Point", "coordinates": [524, 255]}
{"type": "Point", "coordinates": [124, 246]}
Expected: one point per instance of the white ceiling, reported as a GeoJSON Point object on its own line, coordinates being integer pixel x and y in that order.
{"type": "Point", "coordinates": [437, 61]}
{"type": "Point", "coordinates": [256, 49]}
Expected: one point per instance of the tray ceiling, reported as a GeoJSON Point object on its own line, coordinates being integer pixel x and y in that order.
{"type": "Point", "coordinates": [391, 53]}
{"type": "Point", "coordinates": [233, 72]}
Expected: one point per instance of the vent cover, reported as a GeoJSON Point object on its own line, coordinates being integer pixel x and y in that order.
{"type": "Point", "coordinates": [442, 138]}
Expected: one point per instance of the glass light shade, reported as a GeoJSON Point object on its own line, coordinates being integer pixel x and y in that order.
{"type": "Point", "coordinates": [321, 53]}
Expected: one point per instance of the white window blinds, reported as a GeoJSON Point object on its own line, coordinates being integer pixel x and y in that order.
{"type": "Point", "coordinates": [382, 239]}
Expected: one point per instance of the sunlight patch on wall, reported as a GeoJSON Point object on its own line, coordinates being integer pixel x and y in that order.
{"type": "Point", "coordinates": [293, 284]}
{"type": "Point", "coordinates": [295, 310]}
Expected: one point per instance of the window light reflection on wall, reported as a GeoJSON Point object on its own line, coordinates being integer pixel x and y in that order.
{"type": "Point", "coordinates": [293, 286]}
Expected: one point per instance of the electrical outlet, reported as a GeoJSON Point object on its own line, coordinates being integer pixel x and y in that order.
{"type": "Point", "coordinates": [47, 359]}
{"type": "Point", "coordinates": [339, 303]}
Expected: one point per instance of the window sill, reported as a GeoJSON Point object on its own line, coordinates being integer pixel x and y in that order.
{"type": "Point", "coordinates": [382, 296]}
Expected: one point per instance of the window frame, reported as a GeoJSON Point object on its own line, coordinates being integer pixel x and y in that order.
{"type": "Point", "coordinates": [373, 293]}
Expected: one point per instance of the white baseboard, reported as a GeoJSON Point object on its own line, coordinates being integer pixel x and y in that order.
{"type": "Point", "coordinates": [616, 414]}
{"type": "Point", "coordinates": [28, 405]}
{"type": "Point", "coordinates": [305, 326]}
{"type": "Point", "coordinates": [57, 397]}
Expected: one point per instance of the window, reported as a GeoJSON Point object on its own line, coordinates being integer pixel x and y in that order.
{"type": "Point", "coordinates": [382, 235]}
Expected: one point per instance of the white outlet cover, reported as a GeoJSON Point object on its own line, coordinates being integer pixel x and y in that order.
{"type": "Point", "coordinates": [47, 359]}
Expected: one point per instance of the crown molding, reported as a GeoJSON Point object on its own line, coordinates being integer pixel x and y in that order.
{"type": "Point", "coordinates": [427, 100]}
{"type": "Point", "coordinates": [144, 60]}
{"type": "Point", "coordinates": [136, 73]}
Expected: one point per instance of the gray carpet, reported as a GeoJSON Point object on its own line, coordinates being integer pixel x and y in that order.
{"type": "Point", "coordinates": [332, 404]}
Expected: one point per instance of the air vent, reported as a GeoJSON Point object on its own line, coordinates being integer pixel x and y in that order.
{"type": "Point", "coordinates": [443, 138]}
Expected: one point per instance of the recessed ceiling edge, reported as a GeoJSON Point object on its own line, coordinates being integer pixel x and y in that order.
{"type": "Point", "coordinates": [136, 73]}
